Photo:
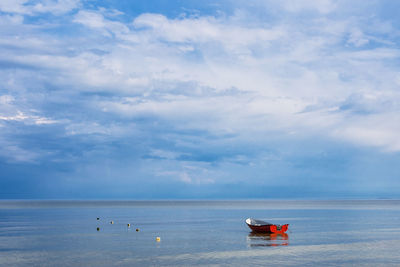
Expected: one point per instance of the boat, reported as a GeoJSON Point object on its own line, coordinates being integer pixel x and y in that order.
{"type": "Point", "coordinates": [260, 226]}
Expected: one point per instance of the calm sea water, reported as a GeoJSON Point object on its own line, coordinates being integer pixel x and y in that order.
{"type": "Point", "coordinates": [193, 233]}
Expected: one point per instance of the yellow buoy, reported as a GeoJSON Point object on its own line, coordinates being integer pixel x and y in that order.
{"type": "Point", "coordinates": [158, 239]}
{"type": "Point", "coordinates": [112, 222]}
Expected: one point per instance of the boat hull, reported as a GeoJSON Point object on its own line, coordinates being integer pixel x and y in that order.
{"type": "Point", "coordinates": [267, 228]}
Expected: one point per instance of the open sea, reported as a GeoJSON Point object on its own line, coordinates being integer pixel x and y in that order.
{"type": "Point", "coordinates": [199, 233]}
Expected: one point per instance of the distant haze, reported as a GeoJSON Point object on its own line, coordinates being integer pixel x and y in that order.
{"type": "Point", "coordinates": [199, 99]}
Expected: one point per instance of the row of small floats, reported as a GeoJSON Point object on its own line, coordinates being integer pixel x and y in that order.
{"type": "Point", "coordinates": [158, 239]}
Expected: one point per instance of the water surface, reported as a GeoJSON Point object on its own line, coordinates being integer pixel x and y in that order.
{"type": "Point", "coordinates": [331, 233]}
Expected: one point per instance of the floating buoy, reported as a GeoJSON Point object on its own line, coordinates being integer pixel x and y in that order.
{"type": "Point", "coordinates": [112, 222]}
{"type": "Point", "coordinates": [98, 228]}
{"type": "Point", "coordinates": [98, 218]}
{"type": "Point", "coordinates": [158, 239]}
{"type": "Point", "coordinates": [129, 225]}
{"type": "Point", "coordinates": [137, 229]}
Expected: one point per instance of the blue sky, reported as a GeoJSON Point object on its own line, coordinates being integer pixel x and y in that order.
{"type": "Point", "coordinates": [197, 99]}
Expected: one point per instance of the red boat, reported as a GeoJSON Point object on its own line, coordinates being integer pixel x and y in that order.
{"type": "Point", "coordinates": [266, 227]}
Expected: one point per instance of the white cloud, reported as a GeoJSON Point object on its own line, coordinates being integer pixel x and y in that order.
{"type": "Point", "coordinates": [7, 20]}
{"type": "Point", "coordinates": [6, 99]}
{"type": "Point", "coordinates": [14, 6]}
{"type": "Point", "coordinates": [97, 21]}
{"type": "Point", "coordinates": [183, 70]}
{"type": "Point", "coordinates": [378, 130]}
{"type": "Point", "coordinates": [9, 111]}
{"type": "Point", "coordinates": [46, 6]}
{"type": "Point", "coordinates": [92, 128]}
{"type": "Point", "coordinates": [357, 38]}
{"type": "Point", "coordinates": [159, 153]}
{"type": "Point", "coordinates": [56, 6]}
{"type": "Point", "coordinates": [204, 30]}
{"type": "Point", "coordinates": [28, 119]}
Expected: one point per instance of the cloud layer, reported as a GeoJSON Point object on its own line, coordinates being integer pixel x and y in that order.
{"type": "Point", "coordinates": [232, 96]}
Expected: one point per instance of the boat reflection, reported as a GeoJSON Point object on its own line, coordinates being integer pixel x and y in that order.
{"type": "Point", "coordinates": [255, 239]}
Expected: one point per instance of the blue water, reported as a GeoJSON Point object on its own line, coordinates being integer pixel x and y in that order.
{"type": "Point", "coordinates": [193, 233]}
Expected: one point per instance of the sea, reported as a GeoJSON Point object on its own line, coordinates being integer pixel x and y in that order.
{"type": "Point", "coordinates": [198, 233]}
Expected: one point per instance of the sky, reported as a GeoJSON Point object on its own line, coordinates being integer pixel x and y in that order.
{"type": "Point", "coordinates": [157, 99]}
